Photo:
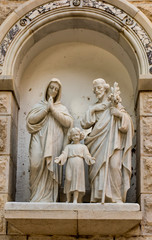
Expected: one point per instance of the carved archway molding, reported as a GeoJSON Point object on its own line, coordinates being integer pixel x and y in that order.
{"type": "Point", "coordinates": [118, 19]}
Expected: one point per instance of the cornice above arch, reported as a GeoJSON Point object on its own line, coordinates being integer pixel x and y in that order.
{"type": "Point", "coordinates": [27, 21]}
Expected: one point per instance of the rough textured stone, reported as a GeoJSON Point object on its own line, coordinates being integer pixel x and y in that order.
{"type": "Point", "coordinates": [146, 103]}
{"type": "Point", "coordinates": [146, 207]}
{"type": "Point", "coordinates": [97, 237]}
{"type": "Point", "coordinates": [11, 230]}
{"type": "Point", "coordinates": [17, 237]}
{"type": "Point", "coordinates": [4, 237]}
{"type": "Point", "coordinates": [7, 7]}
{"type": "Point", "coordinates": [136, 231]}
{"type": "Point", "coordinates": [2, 223]}
{"type": "Point", "coordinates": [7, 176]}
{"type": "Point", "coordinates": [134, 238]}
{"type": "Point", "coordinates": [3, 199]}
{"type": "Point", "coordinates": [51, 238]}
{"type": "Point", "coordinates": [147, 174]}
{"type": "Point", "coordinates": [4, 102]}
{"type": "Point", "coordinates": [146, 135]}
{"type": "Point", "coordinates": [4, 136]}
{"type": "Point", "coordinates": [4, 174]}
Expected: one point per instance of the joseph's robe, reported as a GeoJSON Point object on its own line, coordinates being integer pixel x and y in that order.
{"type": "Point", "coordinates": [110, 140]}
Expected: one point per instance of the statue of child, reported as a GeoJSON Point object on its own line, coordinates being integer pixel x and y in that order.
{"type": "Point", "coordinates": [75, 154]}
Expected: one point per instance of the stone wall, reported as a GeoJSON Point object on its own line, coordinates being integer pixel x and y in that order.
{"type": "Point", "coordinates": [8, 157]}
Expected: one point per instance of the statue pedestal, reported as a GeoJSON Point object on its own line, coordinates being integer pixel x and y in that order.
{"type": "Point", "coordinates": [72, 219]}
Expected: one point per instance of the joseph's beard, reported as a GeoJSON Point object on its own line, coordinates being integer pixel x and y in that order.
{"type": "Point", "coordinates": [99, 96]}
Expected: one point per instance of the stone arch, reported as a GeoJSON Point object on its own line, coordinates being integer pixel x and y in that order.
{"type": "Point", "coordinates": [118, 20]}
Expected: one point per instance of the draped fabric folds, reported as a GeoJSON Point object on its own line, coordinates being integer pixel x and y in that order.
{"type": "Point", "coordinates": [75, 155]}
{"type": "Point", "coordinates": [110, 140]}
{"type": "Point", "coordinates": [47, 139]}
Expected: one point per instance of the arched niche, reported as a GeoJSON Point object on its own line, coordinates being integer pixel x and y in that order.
{"type": "Point", "coordinates": [88, 39]}
{"type": "Point", "coordinates": [76, 64]}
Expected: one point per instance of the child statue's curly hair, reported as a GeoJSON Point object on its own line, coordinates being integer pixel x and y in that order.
{"type": "Point", "coordinates": [73, 130]}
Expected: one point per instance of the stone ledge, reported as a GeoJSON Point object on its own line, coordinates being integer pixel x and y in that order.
{"type": "Point", "coordinates": [72, 219]}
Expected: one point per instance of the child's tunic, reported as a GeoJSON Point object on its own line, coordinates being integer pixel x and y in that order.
{"type": "Point", "coordinates": [75, 154]}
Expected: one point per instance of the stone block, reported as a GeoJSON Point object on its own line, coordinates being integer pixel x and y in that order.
{"type": "Point", "coordinates": [5, 125]}
{"type": "Point", "coordinates": [11, 230]}
{"type": "Point", "coordinates": [97, 237]}
{"type": "Point", "coordinates": [3, 199]}
{"type": "Point", "coordinates": [17, 238]}
{"type": "Point", "coordinates": [6, 237]}
{"type": "Point", "coordinates": [136, 231]}
{"type": "Point", "coordinates": [72, 219]}
{"type": "Point", "coordinates": [8, 106]}
{"type": "Point", "coordinates": [40, 238]}
{"type": "Point", "coordinates": [146, 174]}
{"type": "Point", "coordinates": [8, 84]}
{"type": "Point", "coordinates": [146, 207]}
{"type": "Point", "coordinates": [4, 173]}
{"type": "Point", "coordinates": [51, 238]}
{"type": "Point", "coordinates": [134, 238]}
{"type": "Point", "coordinates": [7, 172]}
{"type": "Point", "coordinates": [5, 103]}
{"type": "Point", "coordinates": [146, 135]}
{"type": "Point", "coordinates": [145, 100]}
{"type": "Point", "coordinates": [2, 223]}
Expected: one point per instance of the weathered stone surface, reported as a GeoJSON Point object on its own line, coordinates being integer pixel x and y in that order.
{"type": "Point", "coordinates": [5, 100]}
{"type": "Point", "coordinates": [136, 231]}
{"type": "Point", "coordinates": [5, 134]}
{"type": "Point", "coordinates": [147, 174]}
{"type": "Point", "coordinates": [8, 106]}
{"type": "Point", "coordinates": [2, 223]}
{"type": "Point", "coordinates": [145, 103]}
{"type": "Point", "coordinates": [97, 237]}
{"type": "Point", "coordinates": [3, 199]}
{"type": "Point", "coordinates": [146, 207]}
{"type": "Point", "coordinates": [51, 238]}
{"type": "Point", "coordinates": [134, 238]}
{"type": "Point", "coordinates": [11, 230]}
{"type": "Point", "coordinates": [146, 135]}
{"type": "Point", "coordinates": [7, 183]}
{"type": "Point", "coordinates": [72, 219]}
{"type": "Point", "coordinates": [4, 237]}
{"type": "Point", "coordinates": [17, 237]}
{"type": "Point", "coordinates": [69, 238]}
{"type": "Point", "coordinates": [4, 174]}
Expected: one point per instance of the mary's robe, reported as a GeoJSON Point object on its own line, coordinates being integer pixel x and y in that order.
{"type": "Point", "coordinates": [47, 138]}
